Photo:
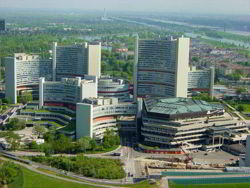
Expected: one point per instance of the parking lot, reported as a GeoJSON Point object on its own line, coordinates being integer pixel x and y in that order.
{"type": "Point", "coordinates": [219, 157]}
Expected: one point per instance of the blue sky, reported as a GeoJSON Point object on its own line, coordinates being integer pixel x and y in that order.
{"type": "Point", "coordinates": [195, 6]}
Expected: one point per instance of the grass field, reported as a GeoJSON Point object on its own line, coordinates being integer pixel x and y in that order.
{"type": "Point", "coordinates": [143, 184]}
{"type": "Point", "coordinates": [29, 179]}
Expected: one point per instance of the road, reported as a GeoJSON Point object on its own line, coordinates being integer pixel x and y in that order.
{"type": "Point", "coordinates": [129, 162]}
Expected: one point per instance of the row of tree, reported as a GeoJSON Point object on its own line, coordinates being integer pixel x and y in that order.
{"type": "Point", "coordinates": [62, 144]}
{"type": "Point", "coordinates": [114, 66]}
{"type": "Point", "coordinates": [86, 166]}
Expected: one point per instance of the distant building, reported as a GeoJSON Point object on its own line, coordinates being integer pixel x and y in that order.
{"type": "Point", "coordinates": [201, 80]}
{"type": "Point", "coordinates": [67, 92]}
{"type": "Point", "coordinates": [2, 25]}
{"type": "Point", "coordinates": [105, 17]}
{"type": "Point", "coordinates": [110, 87]}
{"type": "Point", "coordinates": [76, 60]}
{"type": "Point", "coordinates": [161, 67]}
{"type": "Point", "coordinates": [95, 115]}
{"type": "Point", "coordinates": [22, 73]}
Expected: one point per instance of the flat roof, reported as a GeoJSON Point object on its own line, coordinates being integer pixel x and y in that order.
{"type": "Point", "coordinates": [174, 106]}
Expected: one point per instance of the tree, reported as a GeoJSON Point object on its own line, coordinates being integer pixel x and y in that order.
{"type": "Point", "coordinates": [25, 98]}
{"type": "Point", "coordinates": [195, 59]}
{"type": "Point", "coordinates": [110, 139]}
{"type": "Point", "coordinates": [39, 130]}
{"type": "Point", "coordinates": [93, 144]}
{"type": "Point", "coordinates": [8, 172]}
{"type": "Point", "coordinates": [234, 76]}
{"type": "Point", "coordinates": [16, 124]}
{"type": "Point", "coordinates": [6, 100]}
{"type": "Point", "coordinates": [48, 149]}
{"type": "Point", "coordinates": [33, 145]}
{"type": "Point", "coordinates": [240, 108]}
{"type": "Point", "coordinates": [83, 144]}
{"type": "Point", "coordinates": [49, 137]}
{"type": "Point", "coordinates": [62, 144]}
{"type": "Point", "coordinates": [14, 140]}
{"type": "Point", "coordinates": [240, 90]}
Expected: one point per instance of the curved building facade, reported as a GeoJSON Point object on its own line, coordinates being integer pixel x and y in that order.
{"type": "Point", "coordinates": [109, 87]}
{"type": "Point", "coordinates": [94, 116]}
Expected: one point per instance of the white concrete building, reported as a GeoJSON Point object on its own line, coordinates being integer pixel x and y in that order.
{"type": "Point", "coordinates": [161, 67]}
{"type": "Point", "coordinates": [95, 115]}
{"type": "Point", "coordinates": [201, 80]}
{"type": "Point", "coordinates": [22, 73]}
{"type": "Point", "coordinates": [67, 92]}
{"type": "Point", "coordinates": [110, 87]}
{"type": "Point", "coordinates": [76, 60]}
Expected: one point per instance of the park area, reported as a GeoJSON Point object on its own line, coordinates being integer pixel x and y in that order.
{"type": "Point", "coordinates": [25, 178]}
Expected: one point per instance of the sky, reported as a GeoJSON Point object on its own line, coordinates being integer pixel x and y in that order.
{"type": "Point", "coordinates": [191, 6]}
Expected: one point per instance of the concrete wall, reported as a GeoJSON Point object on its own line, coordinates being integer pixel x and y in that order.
{"type": "Point", "coordinates": [182, 67]}
{"type": "Point", "coordinates": [41, 81]}
{"type": "Point", "coordinates": [84, 120]}
{"type": "Point", "coordinates": [10, 79]}
{"type": "Point", "coordinates": [89, 90]}
{"type": "Point", "coordinates": [54, 61]}
{"type": "Point", "coordinates": [94, 59]}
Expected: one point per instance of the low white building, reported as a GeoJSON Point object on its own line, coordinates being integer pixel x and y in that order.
{"type": "Point", "coordinates": [67, 92]}
{"type": "Point", "coordinates": [110, 87]}
{"type": "Point", "coordinates": [95, 115]}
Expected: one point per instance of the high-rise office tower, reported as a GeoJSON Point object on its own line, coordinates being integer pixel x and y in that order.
{"type": "Point", "coordinates": [76, 60]}
{"type": "Point", "coordinates": [2, 25]}
{"type": "Point", "coordinates": [161, 67]}
{"type": "Point", "coordinates": [22, 73]}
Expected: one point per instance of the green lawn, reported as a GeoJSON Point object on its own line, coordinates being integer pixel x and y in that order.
{"type": "Point", "coordinates": [29, 179]}
{"type": "Point", "coordinates": [143, 184]}
{"type": "Point", "coordinates": [235, 185]}
{"type": "Point", "coordinates": [44, 122]}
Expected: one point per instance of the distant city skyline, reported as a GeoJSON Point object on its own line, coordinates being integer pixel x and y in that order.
{"type": "Point", "coordinates": [192, 6]}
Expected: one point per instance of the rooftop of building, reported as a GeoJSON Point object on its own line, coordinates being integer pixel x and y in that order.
{"type": "Point", "coordinates": [194, 69]}
{"type": "Point", "coordinates": [77, 81]}
{"type": "Point", "coordinates": [78, 45]}
{"type": "Point", "coordinates": [174, 106]}
{"type": "Point", "coordinates": [109, 79]}
{"type": "Point", "coordinates": [167, 38]}
{"type": "Point", "coordinates": [26, 57]}
{"type": "Point", "coordinates": [100, 101]}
